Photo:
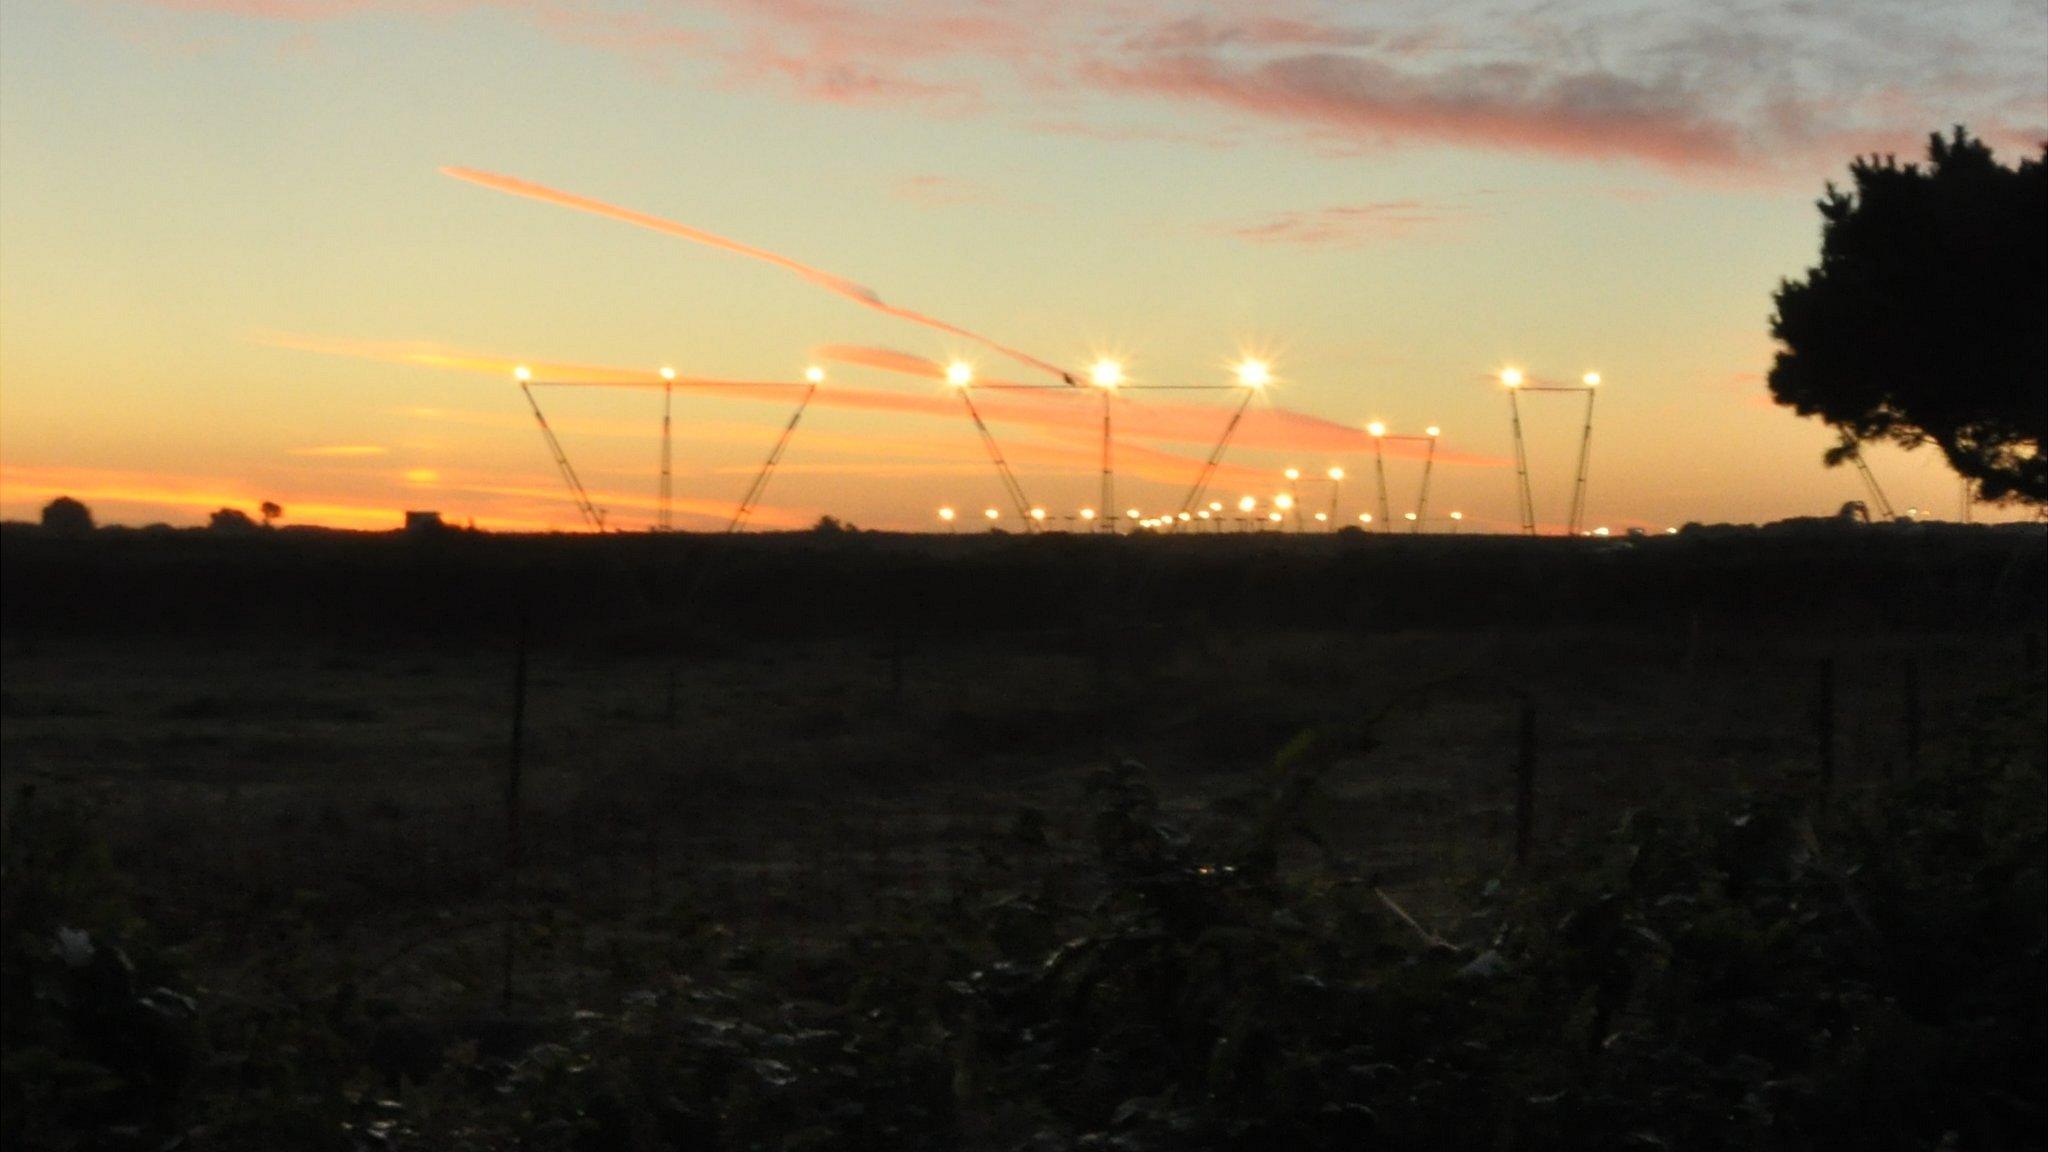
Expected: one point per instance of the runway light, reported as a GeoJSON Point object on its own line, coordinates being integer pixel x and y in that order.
{"type": "Point", "coordinates": [1457, 515]}
{"type": "Point", "coordinates": [1283, 501]}
{"type": "Point", "coordinates": [1273, 516]}
{"type": "Point", "coordinates": [1247, 504]}
{"type": "Point", "coordinates": [814, 374]}
{"type": "Point", "coordinates": [1254, 373]}
{"type": "Point", "coordinates": [1671, 531]}
{"type": "Point", "coordinates": [1365, 517]}
{"type": "Point", "coordinates": [522, 373]}
{"type": "Point", "coordinates": [1131, 512]}
{"type": "Point", "coordinates": [946, 514]}
{"type": "Point", "coordinates": [1038, 514]}
{"type": "Point", "coordinates": [1322, 517]}
{"type": "Point", "coordinates": [1433, 431]}
{"type": "Point", "coordinates": [668, 374]}
{"type": "Point", "coordinates": [1591, 379]}
{"type": "Point", "coordinates": [1182, 517]}
{"type": "Point", "coordinates": [1601, 531]}
{"type": "Point", "coordinates": [1376, 429]}
{"type": "Point", "coordinates": [1087, 513]}
{"type": "Point", "coordinates": [1215, 505]}
{"type": "Point", "coordinates": [992, 514]}
{"type": "Point", "coordinates": [1203, 513]}
{"type": "Point", "coordinates": [1512, 377]}
{"type": "Point", "coordinates": [1292, 473]}
{"type": "Point", "coordinates": [1408, 516]}
{"type": "Point", "coordinates": [959, 374]}
{"type": "Point", "coordinates": [1106, 373]}
{"type": "Point", "coordinates": [1336, 473]}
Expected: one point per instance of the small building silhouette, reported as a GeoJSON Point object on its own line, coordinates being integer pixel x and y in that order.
{"type": "Point", "coordinates": [424, 524]}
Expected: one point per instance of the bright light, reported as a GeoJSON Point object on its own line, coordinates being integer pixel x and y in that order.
{"type": "Point", "coordinates": [522, 373]}
{"type": "Point", "coordinates": [1407, 515]}
{"type": "Point", "coordinates": [1106, 373]}
{"type": "Point", "coordinates": [1671, 531]}
{"type": "Point", "coordinates": [668, 373]}
{"type": "Point", "coordinates": [1247, 504]}
{"type": "Point", "coordinates": [1292, 473]}
{"type": "Point", "coordinates": [946, 514]}
{"type": "Point", "coordinates": [1457, 515]}
{"type": "Point", "coordinates": [1283, 501]}
{"type": "Point", "coordinates": [1254, 373]}
{"type": "Point", "coordinates": [1038, 513]}
{"type": "Point", "coordinates": [1273, 516]}
{"type": "Point", "coordinates": [1365, 517]}
{"type": "Point", "coordinates": [814, 374]}
{"type": "Point", "coordinates": [1376, 429]}
{"type": "Point", "coordinates": [992, 514]}
{"type": "Point", "coordinates": [1087, 513]}
{"type": "Point", "coordinates": [1203, 513]}
{"type": "Point", "coordinates": [1591, 379]}
{"type": "Point", "coordinates": [1131, 512]}
{"type": "Point", "coordinates": [1433, 431]}
{"type": "Point", "coordinates": [1336, 473]}
{"type": "Point", "coordinates": [1215, 505]}
{"type": "Point", "coordinates": [1602, 531]}
{"type": "Point", "coordinates": [1512, 377]}
{"type": "Point", "coordinates": [959, 374]}
{"type": "Point", "coordinates": [1182, 517]}
{"type": "Point", "coordinates": [1322, 517]}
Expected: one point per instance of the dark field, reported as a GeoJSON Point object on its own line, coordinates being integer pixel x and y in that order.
{"type": "Point", "coordinates": [855, 841]}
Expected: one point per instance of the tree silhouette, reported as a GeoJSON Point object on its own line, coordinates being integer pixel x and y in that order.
{"type": "Point", "coordinates": [1927, 317]}
{"type": "Point", "coordinates": [271, 511]}
{"type": "Point", "coordinates": [230, 520]}
{"type": "Point", "coordinates": [67, 515]}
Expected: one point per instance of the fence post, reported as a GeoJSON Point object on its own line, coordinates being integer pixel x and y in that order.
{"type": "Point", "coordinates": [514, 848]}
{"type": "Point", "coordinates": [1525, 782]}
{"type": "Point", "coordinates": [1912, 710]}
{"type": "Point", "coordinates": [1824, 723]}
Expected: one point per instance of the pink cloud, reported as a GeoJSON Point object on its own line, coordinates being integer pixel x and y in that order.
{"type": "Point", "coordinates": [1350, 225]}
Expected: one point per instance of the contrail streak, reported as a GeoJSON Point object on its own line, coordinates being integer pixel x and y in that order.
{"type": "Point", "coordinates": [858, 293]}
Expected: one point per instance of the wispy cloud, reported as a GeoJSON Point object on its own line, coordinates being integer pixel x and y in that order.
{"type": "Point", "coordinates": [933, 191]}
{"type": "Point", "coordinates": [1351, 225]}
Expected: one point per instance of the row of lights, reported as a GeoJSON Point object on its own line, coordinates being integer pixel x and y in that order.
{"type": "Point", "coordinates": [1214, 512]}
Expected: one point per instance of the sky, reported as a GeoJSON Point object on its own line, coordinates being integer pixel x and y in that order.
{"type": "Point", "coordinates": [240, 260]}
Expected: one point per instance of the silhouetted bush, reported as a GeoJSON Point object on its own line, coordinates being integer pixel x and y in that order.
{"type": "Point", "coordinates": [67, 515]}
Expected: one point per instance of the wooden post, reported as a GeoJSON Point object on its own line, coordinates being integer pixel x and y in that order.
{"type": "Point", "coordinates": [1525, 782]}
{"type": "Point", "coordinates": [514, 849]}
{"type": "Point", "coordinates": [1912, 714]}
{"type": "Point", "coordinates": [1824, 723]}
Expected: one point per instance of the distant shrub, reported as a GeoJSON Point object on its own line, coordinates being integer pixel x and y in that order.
{"type": "Point", "coordinates": [67, 515]}
{"type": "Point", "coordinates": [230, 520]}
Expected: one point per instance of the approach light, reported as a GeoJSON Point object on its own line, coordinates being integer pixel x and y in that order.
{"type": "Point", "coordinates": [1365, 517]}
{"type": "Point", "coordinates": [1182, 517]}
{"type": "Point", "coordinates": [1106, 373]}
{"type": "Point", "coordinates": [992, 514]}
{"type": "Point", "coordinates": [1087, 513]}
{"type": "Point", "coordinates": [668, 374]}
{"type": "Point", "coordinates": [1283, 501]}
{"type": "Point", "coordinates": [959, 374]}
{"type": "Point", "coordinates": [1254, 373]}
{"type": "Point", "coordinates": [1457, 515]}
{"type": "Point", "coordinates": [1215, 505]}
{"type": "Point", "coordinates": [1433, 431]}
{"type": "Point", "coordinates": [1512, 377]}
{"type": "Point", "coordinates": [1038, 514]}
{"type": "Point", "coordinates": [1322, 517]}
{"type": "Point", "coordinates": [1408, 516]}
{"type": "Point", "coordinates": [1203, 513]}
{"type": "Point", "coordinates": [522, 373]}
{"type": "Point", "coordinates": [946, 514]}
{"type": "Point", "coordinates": [1292, 473]}
{"type": "Point", "coordinates": [1273, 516]}
{"type": "Point", "coordinates": [1247, 504]}
{"type": "Point", "coordinates": [1133, 513]}
{"type": "Point", "coordinates": [1336, 473]}
{"type": "Point", "coordinates": [1591, 379]}
{"type": "Point", "coordinates": [814, 374]}
{"type": "Point", "coordinates": [1376, 429]}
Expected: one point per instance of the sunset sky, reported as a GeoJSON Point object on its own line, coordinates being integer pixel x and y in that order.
{"type": "Point", "coordinates": [233, 269]}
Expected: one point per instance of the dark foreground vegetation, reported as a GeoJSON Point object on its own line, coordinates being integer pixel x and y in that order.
{"type": "Point", "coordinates": [869, 842]}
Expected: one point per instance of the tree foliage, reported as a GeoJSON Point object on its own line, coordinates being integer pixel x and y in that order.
{"type": "Point", "coordinates": [65, 514]}
{"type": "Point", "coordinates": [1926, 319]}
